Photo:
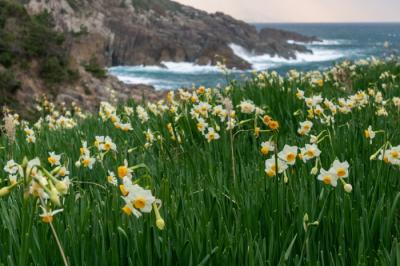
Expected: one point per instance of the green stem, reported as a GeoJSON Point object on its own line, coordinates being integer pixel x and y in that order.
{"type": "Point", "coordinates": [53, 230]}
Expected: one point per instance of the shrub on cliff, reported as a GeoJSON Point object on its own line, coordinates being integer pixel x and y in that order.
{"type": "Point", "coordinates": [8, 85]}
{"type": "Point", "coordinates": [25, 38]}
{"type": "Point", "coordinates": [54, 70]}
{"type": "Point", "coordinates": [94, 68]}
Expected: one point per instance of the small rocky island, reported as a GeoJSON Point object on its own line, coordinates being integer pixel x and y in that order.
{"type": "Point", "coordinates": [103, 33]}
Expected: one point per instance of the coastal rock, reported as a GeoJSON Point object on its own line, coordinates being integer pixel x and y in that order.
{"type": "Point", "coordinates": [140, 32]}
{"type": "Point", "coordinates": [137, 32]}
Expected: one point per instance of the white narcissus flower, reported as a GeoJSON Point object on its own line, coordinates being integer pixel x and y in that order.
{"type": "Point", "coordinates": [310, 151]}
{"type": "Point", "coordinates": [63, 171]}
{"type": "Point", "coordinates": [203, 108]}
{"type": "Point", "coordinates": [393, 155]}
{"type": "Point", "coordinates": [247, 107]}
{"type": "Point", "coordinates": [28, 131]}
{"type": "Point", "coordinates": [313, 139]}
{"type": "Point", "coordinates": [266, 147]}
{"type": "Point", "coordinates": [300, 94]}
{"type": "Point", "coordinates": [30, 138]}
{"type": "Point", "coordinates": [128, 110]}
{"type": "Point", "coordinates": [98, 141]}
{"type": "Point", "coordinates": [369, 134]}
{"type": "Point", "coordinates": [124, 171]}
{"type": "Point", "coordinates": [112, 179]}
{"type": "Point", "coordinates": [318, 110]}
{"type": "Point", "coordinates": [11, 167]}
{"type": "Point", "coordinates": [288, 154]}
{"type": "Point", "coordinates": [142, 114]}
{"type": "Point", "coordinates": [108, 145]}
{"type": "Point", "coordinates": [271, 169]}
{"type": "Point", "coordinates": [138, 200]}
{"type": "Point", "coordinates": [149, 136]}
{"type": "Point", "coordinates": [84, 149]}
{"type": "Point", "coordinates": [88, 161]}
{"type": "Point", "coordinates": [327, 177]}
{"type": "Point", "coordinates": [201, 124]}
{"type": "Point", "coordinates": [305, 127]}
{"type": "Point", "coordinates": [63, 185]}
{"type": "Point", "coordinates": [211, 134]}
{"type": "Point", "coordinates": [54, 159]}
{"type": "Point", "coordinates": [396, 101]}
{"type": "Point", "coordinates": [340, 169]}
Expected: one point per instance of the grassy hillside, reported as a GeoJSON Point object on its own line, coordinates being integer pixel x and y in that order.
{"type": "Point", "coordinates": [209, 157]}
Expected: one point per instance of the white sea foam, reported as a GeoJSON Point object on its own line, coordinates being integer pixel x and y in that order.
{"type": "Point", "coordinates": [184, 67]}
{"type": "Point", "coordinates": [260, 62]}
{"type": "Point", "coordinates": [136, 80]}
{"type": "Point", "coordinates": [321, 43]}
{"type": "Point", "coordinates": [170, 67]}
{"type": "Point", "coordinates": [171, 75]}
{"type": "Point", "coordinates": [174, 75]}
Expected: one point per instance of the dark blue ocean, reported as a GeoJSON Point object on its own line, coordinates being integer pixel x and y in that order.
{"type": "Point", "coordinates": [339, 41]}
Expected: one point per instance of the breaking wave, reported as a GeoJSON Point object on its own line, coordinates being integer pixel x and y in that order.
{"type": "Point", "coordinates": [260, 62]}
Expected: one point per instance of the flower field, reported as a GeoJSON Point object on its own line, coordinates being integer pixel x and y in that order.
{"type": "Point", "coordinates": [299, 169]}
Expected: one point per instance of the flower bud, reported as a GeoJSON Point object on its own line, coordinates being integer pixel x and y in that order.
{"type": "Point", "coordinates": [4, 191]}
{"type": "Point", "coordinates": [348, 188]}
{"type": "Point", "coordinates": [314, 170]}
{"type": "Point", "coordinates": [24, 162]}
{"type": "Point", "coordinates": [160, 223]}
{"type": "Point", "coordinates": [285, 179]}
{"type": "Point", "coordinates": [53, 194]}
{"type": "Point", "coordinates": [55, 170]}
{"type": "Point", "coordinates": [62, 187]}
{"type": "Point", "coordinates": [78, 164]}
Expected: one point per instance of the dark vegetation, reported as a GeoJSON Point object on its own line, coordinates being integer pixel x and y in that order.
{"type": "Point", "coordinates": [94, 68]}
{"type": "Point", "coordinates": [8, 86]}
{"type": "Point", "coordinates": [25, 39]}
{"type": "Point", "coordinates": [159, 6]}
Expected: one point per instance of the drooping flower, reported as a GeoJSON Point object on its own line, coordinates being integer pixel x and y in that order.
{"type": "Point", "coordinates": [47, 215]}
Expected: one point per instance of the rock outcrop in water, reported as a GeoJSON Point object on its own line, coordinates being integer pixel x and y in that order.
{"type": "Point", "coordinates": [147, 32]}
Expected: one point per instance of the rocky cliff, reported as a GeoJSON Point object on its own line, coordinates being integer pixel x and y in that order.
{"type": "Point", "coordinates": [60, 47]}
{"type": "Point", "coordinates": [147, 32]}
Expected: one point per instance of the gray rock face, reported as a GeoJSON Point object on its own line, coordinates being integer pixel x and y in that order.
{"type": "Point", "coordinates": [147, 32]}
{"type": "Point", "coordinates": [144, 32]}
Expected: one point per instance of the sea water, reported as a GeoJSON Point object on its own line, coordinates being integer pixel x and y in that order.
{"type": "Point", "coordinates": [339, 42]}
